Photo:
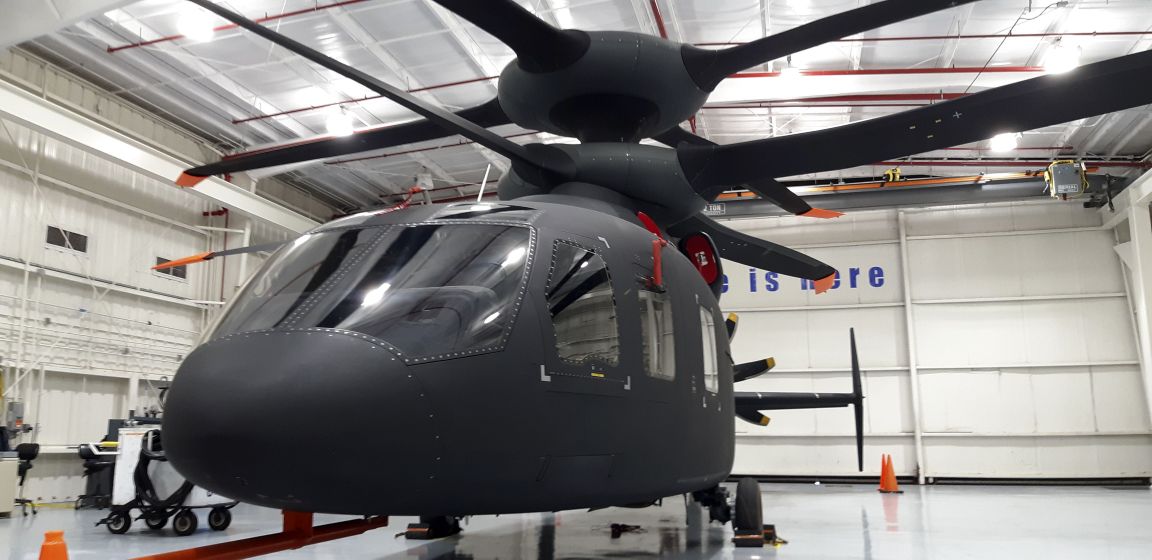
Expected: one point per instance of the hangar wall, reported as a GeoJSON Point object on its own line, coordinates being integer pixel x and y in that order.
{"type": "Point", "coordinates": [1022, 345]}
{"type": "Point", "coordinates": [89, 335]}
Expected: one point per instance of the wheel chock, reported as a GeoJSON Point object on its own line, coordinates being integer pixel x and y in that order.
{"type": "Point", "coordinates": [432, 528]}
{"type": "Point", "coordinates": [753, 539]}
{"type": "Point", "coordinates": [419, 532]}
{"type": "Point", "coordinates": [771, 538]}
{"type": "Point", "coordinates": [748, 538]}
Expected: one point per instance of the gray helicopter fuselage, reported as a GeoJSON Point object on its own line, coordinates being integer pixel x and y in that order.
{"type": "Point", "coordinates": [437, 405]}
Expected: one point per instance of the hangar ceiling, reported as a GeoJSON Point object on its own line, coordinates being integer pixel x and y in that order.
{"type": "Point", "coordinates": [243, 93]}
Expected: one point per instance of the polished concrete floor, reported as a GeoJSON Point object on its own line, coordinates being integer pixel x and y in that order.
{"type": "Point", "coordinates": [825, 521]}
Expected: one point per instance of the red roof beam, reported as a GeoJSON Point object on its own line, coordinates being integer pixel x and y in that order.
{"type": "Point", "coordinates": [302, 11]}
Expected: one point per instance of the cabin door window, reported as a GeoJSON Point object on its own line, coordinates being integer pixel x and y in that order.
{"type": "Point", "coordinates": [582, 307]}
{"type": "Point", "coordinates": [656, 331]}
{"type": "Point", "coordinates": [711, 369]}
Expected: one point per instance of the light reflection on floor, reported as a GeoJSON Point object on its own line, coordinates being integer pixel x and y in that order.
{"type": "Point", "coordinates": [827, 521]}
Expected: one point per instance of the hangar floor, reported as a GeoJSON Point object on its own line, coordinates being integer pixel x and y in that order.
{"type": "Point", "coordinates": [826, 521]}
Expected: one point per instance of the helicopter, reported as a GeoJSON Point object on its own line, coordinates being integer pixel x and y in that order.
{"type": "Point", "coordinates": [562, 348]}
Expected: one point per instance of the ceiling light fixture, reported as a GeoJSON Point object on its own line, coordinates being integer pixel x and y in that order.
{"type": "Point", "coordinates": [790, 72]}
{"type": "Point", "coordinates": [1005, 142]}
{"type": "Point", "coordinates": [196, 25]}
{"type": "Point", "coordinates": [339, 124]}
{"type": "Point", "coordinates": [1061, 58]}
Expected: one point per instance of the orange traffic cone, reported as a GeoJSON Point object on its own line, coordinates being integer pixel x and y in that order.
{"type": "Point", "coordinates": [54, 547]}
{"type": "Point", "coordinates": [888, 483]}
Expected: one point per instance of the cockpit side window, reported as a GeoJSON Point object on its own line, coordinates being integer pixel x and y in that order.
{"type": "Point", "coordinates": [656, 330]}
{"type": "Point", "coordinates": [711, 366]}
{"type": "Point", "coordinates": [582, 307]}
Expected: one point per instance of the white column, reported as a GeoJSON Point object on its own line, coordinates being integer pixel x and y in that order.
{"type": "Point", "coordinates": [134, 393]}
{"type": "Point", "coordinates": [913, 370]}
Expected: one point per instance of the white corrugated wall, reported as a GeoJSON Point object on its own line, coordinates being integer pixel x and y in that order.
{"type": "Point", "coordinates": [77, 329]}
{"type": "Point", "coordinates": [1025, 354]}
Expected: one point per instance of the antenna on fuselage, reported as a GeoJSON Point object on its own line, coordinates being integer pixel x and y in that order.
{"type": "Point", "coordinates": [484, 183]}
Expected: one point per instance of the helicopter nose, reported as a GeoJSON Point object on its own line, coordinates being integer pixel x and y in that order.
{"type": "Point", "coordinates": [299, 419]}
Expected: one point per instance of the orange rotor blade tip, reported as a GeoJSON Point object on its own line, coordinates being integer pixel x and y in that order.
{"type": "Point", "coordinates": [186, 180]}
{"type": "Point", "coordinates": [186, 260]}
{"type": "Point", "coordinates": [824, 284]}
{"type": "Point", "coordinates": [822, 213]}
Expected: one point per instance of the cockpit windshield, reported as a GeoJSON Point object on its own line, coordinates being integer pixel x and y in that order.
{"type": "Point", "coordinates": [432, 291]}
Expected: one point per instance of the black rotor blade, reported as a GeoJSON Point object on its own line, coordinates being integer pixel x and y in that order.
{"type": "Point", "coordinates": [539, 47]}
{"type": "Point", "coordinates": [759, 253]}
{"type": "Point", "coordinates": [709, 67]}
{"type": "Point", "coordinates": [540, 157]}
{"type": "Point", "coordinates": [487, 115]}
{"type": "Point", "coordinates": [201, 257]}
{"type": "Point", "coordinates": [768, 189]}
{"type": "Point", "coordinates": [1093, 89]}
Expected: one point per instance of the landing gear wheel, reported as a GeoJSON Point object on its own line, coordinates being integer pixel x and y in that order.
{"type": "Point", "coordinates": [119, 523]}
{"type": "Point", "coordinates": [156, 521]}
{"type": "Point", "coordinates": [748, 520]}
{"type": "Point", "coordinates": [219, 518]}
{"type": "Point", "coordinates": [749, 515]}
{"type": "Point", "coordinates": [184, 523]}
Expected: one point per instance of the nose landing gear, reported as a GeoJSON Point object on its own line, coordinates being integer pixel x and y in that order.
{"type": "Point", "coordinates": [747, 517]}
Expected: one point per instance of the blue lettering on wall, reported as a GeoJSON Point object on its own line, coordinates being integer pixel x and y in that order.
{"type": "Point", "coordinates": [876, 276]}
{"type": "Point", "coordinates": [770, 281]}
{"type": "Point", "coordinates": [852, 280]}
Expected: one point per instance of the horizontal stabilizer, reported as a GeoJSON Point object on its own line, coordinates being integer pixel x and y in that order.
{"type": "Point", "coordinates": [789, 401]}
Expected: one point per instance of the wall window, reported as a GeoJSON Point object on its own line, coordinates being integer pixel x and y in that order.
{"type": "Point", "coordinates": [175, 271]}
{"type": "Point", "coordinates": [582, 306]}
{"type": "Point", "coordinates": [711, 368]}
{"type": "Point", "coordinates": [67, 239]}
{"type": "Point", "coordinates": [657, 333]}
